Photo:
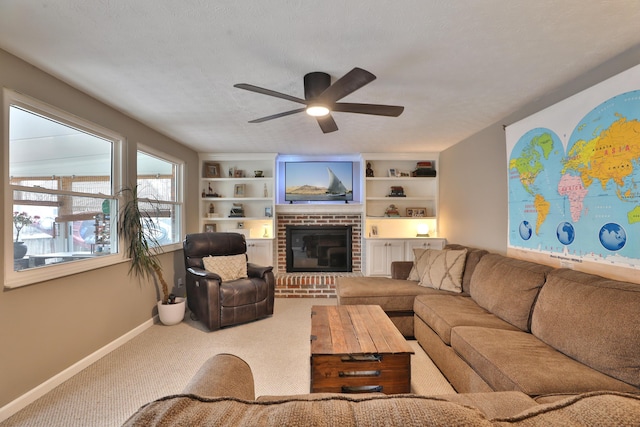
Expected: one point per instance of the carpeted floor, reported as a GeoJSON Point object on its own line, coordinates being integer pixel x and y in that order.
{"type": "Point", "coordinates": [162, 359]}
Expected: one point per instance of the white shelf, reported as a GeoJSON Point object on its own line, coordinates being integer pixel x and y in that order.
{"type": "Point", "coordinates": [399, 178]}
{"type": "Point", "coordinates": [237, 218]}
{"type": "Point", "coordinates": [389, 199]}
{"type": "Point", "coordinates": [393, 218]}
{"type": "Point", "coordinates": [236, 199]}
{"type": "Point", "coordinates": [236, 180]}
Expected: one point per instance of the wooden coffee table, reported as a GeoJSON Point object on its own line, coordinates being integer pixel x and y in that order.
{"type": "Point", "coordinates": [357, 349]}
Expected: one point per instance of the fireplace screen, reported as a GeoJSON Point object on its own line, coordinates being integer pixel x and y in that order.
{"type": "Point", "coordinates": [318, 248]}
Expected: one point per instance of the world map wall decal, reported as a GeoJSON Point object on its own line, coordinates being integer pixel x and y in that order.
{"type": "Point", "coordinates": [574, 177]}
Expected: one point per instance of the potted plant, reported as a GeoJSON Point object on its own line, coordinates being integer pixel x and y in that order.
{"type": "Point", "coordinates": [143, 249]}
{"type": "Point", "coordinates": [20, 220]}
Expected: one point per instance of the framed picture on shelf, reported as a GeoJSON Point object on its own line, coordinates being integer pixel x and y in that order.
{"type": "Point", "coordinates": [417, 212]}
{"type": "Point", "coordinates": [209, 228]}
{"type": "Point", "coordinates": [238, 173]}
{"type": "Point", "coordinates": [393, 172]}
{"type": "Point", "coordinates": [239, 190]}
{"type": "Point", "coordinates": [268, 212]}
{"type": "Point", "coordinates": [211, 170]}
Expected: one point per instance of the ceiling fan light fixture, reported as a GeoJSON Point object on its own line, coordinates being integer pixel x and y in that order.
{"type": "Point", "coordinates": [317, 110]}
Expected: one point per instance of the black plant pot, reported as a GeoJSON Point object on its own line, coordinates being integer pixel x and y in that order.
{"type": "Point", "coordinates": [19, 250]}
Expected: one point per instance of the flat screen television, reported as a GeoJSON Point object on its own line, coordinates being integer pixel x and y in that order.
{"type": "Point", "coordinates": [318, 181]}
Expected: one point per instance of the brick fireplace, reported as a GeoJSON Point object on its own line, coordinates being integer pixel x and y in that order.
{"type": "Point", "coordinates": [314, 284]}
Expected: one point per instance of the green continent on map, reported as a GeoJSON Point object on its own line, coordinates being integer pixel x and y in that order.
{"type": "Point", "coordinates": [542, 208]}
{"type": "Point", "coordinates": [634, 215]}
{"type": "Point", "coordinates": [608, 156]}
{"type": "Point", "coordinates": [528, 163]}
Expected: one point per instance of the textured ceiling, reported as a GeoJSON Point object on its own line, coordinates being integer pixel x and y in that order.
{"type": "Point", "coordinates": [456, 66]}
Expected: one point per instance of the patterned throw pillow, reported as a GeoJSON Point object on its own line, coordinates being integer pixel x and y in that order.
{"type": "Point", "coordinates": [413, 274]}
{"type": "Point", "coordinates": [440, 269]}
{"type": "Point", "coordinates": [230, 267]}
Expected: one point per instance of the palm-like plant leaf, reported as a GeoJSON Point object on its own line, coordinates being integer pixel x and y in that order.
{"type": "Point", "coordinates": [141, 246]}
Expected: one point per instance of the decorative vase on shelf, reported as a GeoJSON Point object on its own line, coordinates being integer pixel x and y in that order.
{"type": "Point", "coordinates": [19, 250]}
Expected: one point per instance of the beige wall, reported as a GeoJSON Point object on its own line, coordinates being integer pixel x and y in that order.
{"type": "Point", "coordinates": [473, 173]}
{"type": "Point", "coordinates": [473, 191]}
{"type": "Point", "coordinates": [47, 327]}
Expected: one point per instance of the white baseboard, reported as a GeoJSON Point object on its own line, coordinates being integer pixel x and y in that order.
{"type": "Point", "coordinates": [32, 395]}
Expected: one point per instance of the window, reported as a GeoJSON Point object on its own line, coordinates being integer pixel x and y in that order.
{"type": "Point", "coordinates": [62, 176]}
{"type": "Point", "coordinates": [159, 188]}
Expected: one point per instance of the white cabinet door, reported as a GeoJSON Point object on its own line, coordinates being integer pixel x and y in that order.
{"type": "Point", "coordinates": [410, 245]}
{"type": "Point", "coordinates": [260, 251]}
{"type": "Point", "coordinates": [380, 255]}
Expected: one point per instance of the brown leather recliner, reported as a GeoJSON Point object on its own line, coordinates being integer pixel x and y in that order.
{"type": "Point", "coordinates": [216, 303]}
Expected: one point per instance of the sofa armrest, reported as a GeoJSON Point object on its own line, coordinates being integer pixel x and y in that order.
{"type": "Point", "coordinates": [223, 375]}
{"type": "Point", "coordinates": [401, 269]}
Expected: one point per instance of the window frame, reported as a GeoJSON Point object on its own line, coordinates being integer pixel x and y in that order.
{"type": "Point", "coordinates": [15, 279]}
{"type": "Point", "coordinates": [179, 202]}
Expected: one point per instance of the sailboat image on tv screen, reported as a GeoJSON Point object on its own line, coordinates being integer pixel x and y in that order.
{"type": "Point", "coordinates": [336, 188]}
{"type": "Point", "coordinates": [306, 181]}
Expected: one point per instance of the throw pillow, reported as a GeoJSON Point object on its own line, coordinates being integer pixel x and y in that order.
{"type": "Point", "coordinates": [419, 264]}
{"type": "Point", "coordinates": [413, 274]}
{"type": "Point", "coordinates": [441, 269]}
{"type": "Point", "coordinates": [230, 267]}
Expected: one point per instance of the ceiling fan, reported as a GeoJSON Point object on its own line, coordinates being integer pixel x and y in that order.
{"type": "Point", "coordinates": [321, 98]}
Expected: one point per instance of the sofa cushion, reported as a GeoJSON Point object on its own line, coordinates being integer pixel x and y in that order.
{"type": "Point", "coordinates": [516, 360]}
{"type": "Point", "coordinates": [508, 287]}
{"type": "Point", "coordinates": [390, 294]}
{"type": "Point", "coordinates": [496, 404]}
{"type": "Point", "coordinates": [440, 269]}
{"type": "Point", "coordinates": [600, 408]}
{"type": "Point", "coordinates": [592, 319]}
{"type": "Point", "coordinates": [230, 267]}
{"type": "Point", "coordinates": [444, 312]}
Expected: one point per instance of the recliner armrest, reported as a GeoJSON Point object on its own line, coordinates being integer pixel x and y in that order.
{"type": "Point", "coordinates": [200, 272]}
{"type": "Point", "coordinates": [254, 270]}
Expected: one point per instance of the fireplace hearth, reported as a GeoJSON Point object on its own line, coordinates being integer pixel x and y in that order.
{"type": "Point", "coordinates": [318, 248]}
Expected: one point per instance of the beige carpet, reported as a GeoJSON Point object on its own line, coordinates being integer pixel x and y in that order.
{"type": "Point", "coordinates": [162, 359]}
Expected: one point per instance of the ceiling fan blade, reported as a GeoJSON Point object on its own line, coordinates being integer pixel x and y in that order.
{"type": "Point", "coordinates": [276, 116]}
{"type": "Point", "coordinates": [269, 92]}
{"type": "Point", "coordinates": [346, 84]}
{"type": "Point", "coordinates": [327, 124]}
{"type": "Point", "coordinates": [375, 109]}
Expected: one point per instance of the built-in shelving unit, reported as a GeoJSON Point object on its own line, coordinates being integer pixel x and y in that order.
{"type": "Point", "coordinates": [392, 236]}
{"type": "Point", "coordinates": [238, 194]}
{"type": "Point", "coordinates": [417, 204]}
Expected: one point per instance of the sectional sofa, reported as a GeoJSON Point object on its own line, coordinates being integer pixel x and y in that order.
{"type": "Point", "coordinates": [522, 343]}
{"type": "Point", "coordinates": [222, 394]}
{"type": "Point", "coordinates": [516, 325]}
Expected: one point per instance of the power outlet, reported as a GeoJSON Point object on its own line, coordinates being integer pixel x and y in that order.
{"type": "Point", "coordinates": [180, 283]}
